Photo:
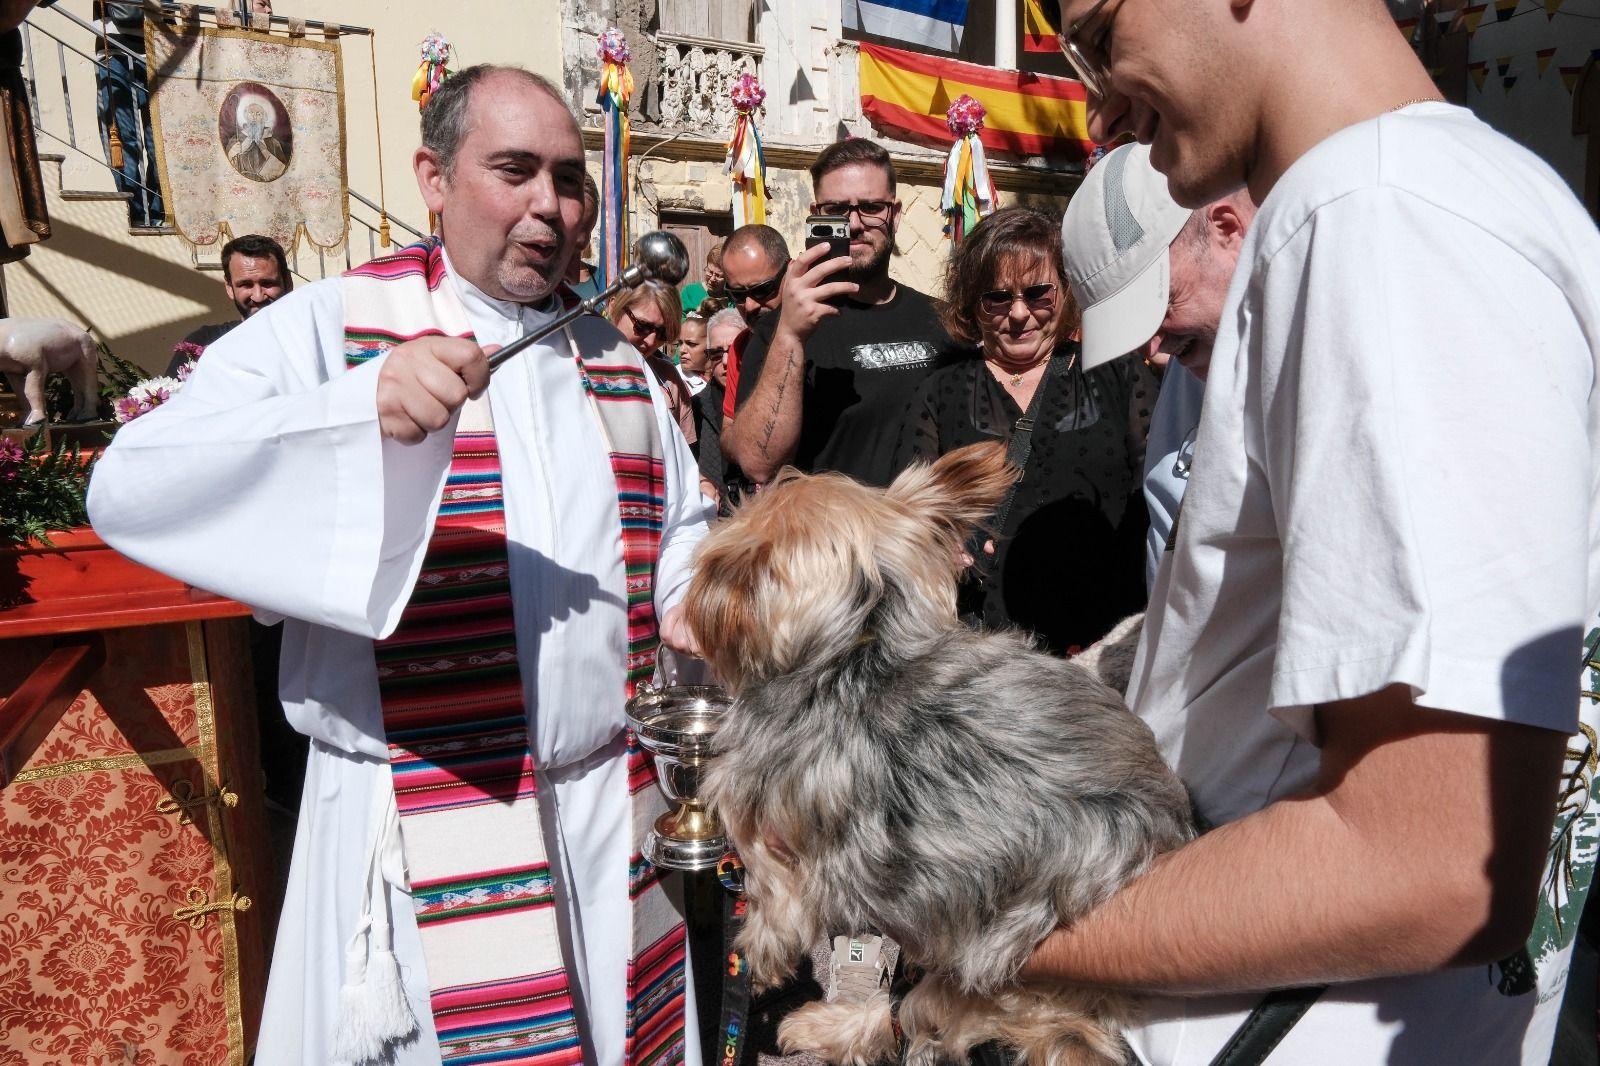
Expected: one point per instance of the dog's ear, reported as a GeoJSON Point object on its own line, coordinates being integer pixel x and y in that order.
{"type": "Point", "coordinates": [959, 489]}
{"type": "Point", "coordinates": [730, 574]}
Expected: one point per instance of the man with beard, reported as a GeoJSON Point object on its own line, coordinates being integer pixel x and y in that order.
{"type": "Point", "coordinates": [828, 389]}
{"type": "Point", "coordinates": [1366, 656]}
{"type": "Point", "coordinates": [255, 272]}
{"type": "Point", "coordinates": [467, 615]}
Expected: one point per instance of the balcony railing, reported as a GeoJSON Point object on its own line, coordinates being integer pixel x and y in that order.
{"type": "Point", "coordinates": [696, 74]}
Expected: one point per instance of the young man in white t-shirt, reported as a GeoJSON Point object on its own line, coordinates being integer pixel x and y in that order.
{"type": "Point", "coordinates": [1363, 656]}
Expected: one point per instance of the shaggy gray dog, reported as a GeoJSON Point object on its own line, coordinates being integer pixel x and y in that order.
{"type": "Point", "coordinates": [886, 768]}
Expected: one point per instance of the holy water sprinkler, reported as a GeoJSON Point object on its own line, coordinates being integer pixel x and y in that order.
{"type": "Point", "coordinates": [660, 257]}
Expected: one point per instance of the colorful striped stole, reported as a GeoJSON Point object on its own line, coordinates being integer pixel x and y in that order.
{"type": "Point", "coordinates": [457, 729]}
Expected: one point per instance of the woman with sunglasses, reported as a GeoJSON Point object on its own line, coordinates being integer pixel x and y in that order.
{"type": "Point", "coordinates": [1065, 558]}
{"type": "Point", "coordinates": [648, 316]}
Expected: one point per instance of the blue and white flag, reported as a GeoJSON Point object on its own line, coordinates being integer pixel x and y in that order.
{"type": "Point", "coordinates": [928, 23]}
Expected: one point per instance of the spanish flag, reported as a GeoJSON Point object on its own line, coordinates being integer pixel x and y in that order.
{"type": "Point", "coordinates": [1039, 26]}
{"type": "Point", "coordinates": [1029, 114]}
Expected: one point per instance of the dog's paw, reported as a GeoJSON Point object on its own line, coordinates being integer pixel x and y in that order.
{"type": "Point", "coordinates": [846, 1034]}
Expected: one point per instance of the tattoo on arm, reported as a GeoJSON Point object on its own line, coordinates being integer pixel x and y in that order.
{"type": "Point", "coordinates": [777, 405]}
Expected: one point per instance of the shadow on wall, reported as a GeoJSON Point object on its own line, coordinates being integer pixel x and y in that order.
{"type": "Point", "coordinates": [150, 347]}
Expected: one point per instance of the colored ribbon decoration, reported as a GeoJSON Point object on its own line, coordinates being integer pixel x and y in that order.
{"type": "Point", "coordinates": [969, 192]}
{"type": "Point", "coordinates": [616, 86]}
{"type": "Point", "coordinates": [434, 69]}
{"type": "Point", "coordinates": [747, 164]}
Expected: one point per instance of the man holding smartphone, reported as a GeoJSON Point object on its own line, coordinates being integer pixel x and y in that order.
{"type": "Point", "coordinates": [826, 389]}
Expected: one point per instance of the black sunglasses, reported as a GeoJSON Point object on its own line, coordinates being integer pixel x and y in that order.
{"type": "Point", "coordinates": [645, 329]}
{"type": "Point", "coordinates": [761, 290]}
{"type": "Point", "coordinates": [1037, 297]}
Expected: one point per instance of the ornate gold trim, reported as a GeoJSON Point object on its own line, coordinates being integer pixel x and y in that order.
{"type": "Point", "coordinates": [110, 762]}
{"type": "Point", "coordinates": [222, 869]}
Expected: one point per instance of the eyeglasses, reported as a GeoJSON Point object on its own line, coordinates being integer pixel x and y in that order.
{"type": "Point", "coordinates": [1000, 301]}
{"type": "Point", "coordinates": [716, 353]}
{"type": "Point", "coordinates": [760, 291]}
{"type": "Point", "coordinates": [646, 329]}
{"type": "Point", "coordinates": [1089, 61]}
{"type": "Point", "coordinates": [869, 210]}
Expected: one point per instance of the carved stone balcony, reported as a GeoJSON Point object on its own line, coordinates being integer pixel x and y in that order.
{"type": "Point", "coordinates": [696, 75]}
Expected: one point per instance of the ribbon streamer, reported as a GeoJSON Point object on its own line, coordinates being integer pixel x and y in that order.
{"type": "Point", "coordinates": [616, 86]}
{"type": "Point", "coordinates": [747, 163]}
{"type": "Point", "coordinates": [969, 193]}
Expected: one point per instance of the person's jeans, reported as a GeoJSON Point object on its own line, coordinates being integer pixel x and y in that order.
{"type": "Point", "coordinates": [125, 100]}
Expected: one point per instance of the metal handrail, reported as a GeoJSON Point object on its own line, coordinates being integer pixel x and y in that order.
{"type": "Point", "coordinates": [373, 231]}
{"type": "Point", "coordinates": [173, 9]}
{"type": "Point", "coordinates": [393, 221]}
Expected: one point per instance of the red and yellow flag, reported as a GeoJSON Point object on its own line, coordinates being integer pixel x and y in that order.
{"type": "Point", "coordinates": [1029, 114]}
{"type": "Point", "coordinates": [1039, 26]}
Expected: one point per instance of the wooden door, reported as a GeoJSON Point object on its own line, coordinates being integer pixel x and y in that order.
{"type": "Point", "coordinates": [717, 20]}
{"type": "Point", "coordinates": [698, 232]}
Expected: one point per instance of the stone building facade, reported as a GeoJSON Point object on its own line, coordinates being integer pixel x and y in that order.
{"type": "Point", "coordinates": [686, 54]}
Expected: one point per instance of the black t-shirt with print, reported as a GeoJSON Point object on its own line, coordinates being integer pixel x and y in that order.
{"type": "Point", "coordinates": [863, 366]}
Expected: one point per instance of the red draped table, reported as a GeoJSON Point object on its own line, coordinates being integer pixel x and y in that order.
{"type": "Point", "coordinates": [137, 895]}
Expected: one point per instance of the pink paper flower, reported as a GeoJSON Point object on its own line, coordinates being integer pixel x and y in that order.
{"type": "Point", "coordinates": [436, 49]}
{"type": "Point", "coordinates": [614, 47]}
{"type": "Point", "coordinates": [747, 94]}
{"type": "Point", "coordinates": [965, 116]}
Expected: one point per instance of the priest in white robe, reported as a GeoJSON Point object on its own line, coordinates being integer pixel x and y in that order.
{"type": "Point", "coordinates": [308, 490]}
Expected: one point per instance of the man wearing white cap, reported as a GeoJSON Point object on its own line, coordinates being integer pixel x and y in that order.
{"type": "Point", "coordinates": [1150, 275]}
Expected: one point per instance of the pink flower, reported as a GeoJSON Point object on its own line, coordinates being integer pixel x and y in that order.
{"type": "Point", "coordinates": [614, 47]}
{"type": "Point", "coordinates": [127, 409]}
{"type": "Point", "coordinates": [965, 116]}
{"type": "Point", "coordinates": [185, 369]}
{"type": "Point", "coordinates": [747, 93]}
{"type": "Point", "coordinates": [10, 452]}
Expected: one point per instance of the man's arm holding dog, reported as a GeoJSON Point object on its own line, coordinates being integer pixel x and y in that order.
{"type": "Point", "coordinates": [1421, 847]}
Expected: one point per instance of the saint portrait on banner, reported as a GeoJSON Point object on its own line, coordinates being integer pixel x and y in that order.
{"type": "Point", "coordinates": [253, 128]}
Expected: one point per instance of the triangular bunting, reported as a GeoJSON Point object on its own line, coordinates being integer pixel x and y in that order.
{"type": "Point", "coordinates": [1550, 8]}
{"type": "Point", "coordinates": [1479, 72]}
{"type": "Point", "coordinates": [1502, 65]}
{"type": "Point", "coordinates": [1408, 28]}
{"type": "Point", "coordinates": [1504, 9]}
{"type": "Point", "coordinates": [1543, 57]}
{"type": "Point", "coordinates": [1508, 81]}
{"type": "Point", "coordinates": [1569, 77]}
{"type": "Point", "coordinates": [1473, 16]}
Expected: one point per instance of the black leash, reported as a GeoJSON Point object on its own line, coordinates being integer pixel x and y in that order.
{"type": "Point", "coordinates": [1267, 1025]}
{"type": "Point", "coordinates": [735, 1019]}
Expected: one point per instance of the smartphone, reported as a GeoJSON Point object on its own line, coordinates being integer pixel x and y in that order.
{"type": "Point", "coordinates": [832, 230]}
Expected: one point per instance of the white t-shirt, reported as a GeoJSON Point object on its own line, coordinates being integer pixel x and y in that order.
{"type": "Point", "coordinates": [1168, 452]}
{"type": "Point", "coordinates": [1395, 481]}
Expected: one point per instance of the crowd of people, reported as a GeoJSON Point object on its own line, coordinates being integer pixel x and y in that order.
{"type": "Point", "coordinates": [1248, 386]}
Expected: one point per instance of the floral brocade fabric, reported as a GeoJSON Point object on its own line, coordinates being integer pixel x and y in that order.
{"type": "Point", "coordinates": [96, 964]}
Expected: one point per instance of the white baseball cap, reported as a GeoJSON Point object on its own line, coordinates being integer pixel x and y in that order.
{"type": "Point", "coordinates": [1114, 240]}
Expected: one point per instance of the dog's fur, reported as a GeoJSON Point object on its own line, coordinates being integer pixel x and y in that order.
{"type": "Point", "coordinates": [885, 768]}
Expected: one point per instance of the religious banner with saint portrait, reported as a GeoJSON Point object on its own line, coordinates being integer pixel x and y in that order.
{"type": "Point", "coordinates": [249, 132]}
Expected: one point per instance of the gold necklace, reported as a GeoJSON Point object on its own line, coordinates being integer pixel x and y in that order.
{"type": "Point", "coordinates": [1016, 379]}
{"type": "Point", "coordinates": [1418, 100]}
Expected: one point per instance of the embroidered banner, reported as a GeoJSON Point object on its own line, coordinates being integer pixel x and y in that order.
{"type": "Point", "coordinates": [249, 134]}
